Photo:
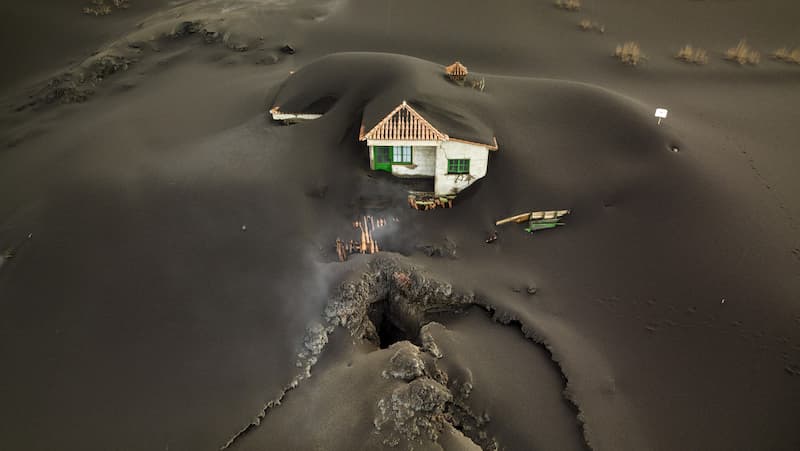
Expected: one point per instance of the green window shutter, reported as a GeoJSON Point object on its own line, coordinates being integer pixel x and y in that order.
{"type": "Point", "coordinates": [460, 166]}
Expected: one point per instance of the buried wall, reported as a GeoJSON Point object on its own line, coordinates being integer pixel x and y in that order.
{"type": "Point", "coordinates": [423, 163]}
{"type": "Point", "coordinates": [478, 157]}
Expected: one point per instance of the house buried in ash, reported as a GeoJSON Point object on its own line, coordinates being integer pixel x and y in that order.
{"type": "Point", "coordinates": [405, 144]}
{"type": "Point", "coordinates": [438, 135]}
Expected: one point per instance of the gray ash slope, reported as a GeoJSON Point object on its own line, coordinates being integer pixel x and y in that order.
{"type": "Point", "coordinates": [140, 304]}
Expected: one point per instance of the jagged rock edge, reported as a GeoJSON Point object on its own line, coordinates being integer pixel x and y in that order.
{"type": "Point", "coordinates": [508, 319]}
{"type": "Point", "coordinates": [306, 359]}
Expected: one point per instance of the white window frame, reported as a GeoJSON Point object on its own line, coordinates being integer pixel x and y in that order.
{"type": "Point", "coordinates": [402, 155]}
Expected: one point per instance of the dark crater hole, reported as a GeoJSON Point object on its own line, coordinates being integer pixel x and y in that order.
{"type": "Point", "coordinates": [392, 325]}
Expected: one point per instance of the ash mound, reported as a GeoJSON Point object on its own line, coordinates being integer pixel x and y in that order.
{"type": "Point", "coordinates": [247, 25]}
{"type": "Point", "coordinates": [581, 145]}
{"type": "Point", "coordinates": [373, 84]}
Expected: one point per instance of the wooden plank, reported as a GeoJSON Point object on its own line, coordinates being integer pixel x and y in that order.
{"type": "Point", "coordinates": [363, 241]}
{"type": "Point", "coordinates": [533, 215]}
{"type": "Point", "coordinates": [517, 218]}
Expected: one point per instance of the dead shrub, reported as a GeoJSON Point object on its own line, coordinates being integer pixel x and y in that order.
{"type": "Point", "coordinates": [691, 54]}
{"type": "Point", "coordinates": [569, 5]}
{"type": "Point", "coordinates": [102, 8]}
{"type": "Point", "coordinates": [479, 84]}
{"type": "Point", "coordinates": [743, 54]}
{"type": "Point", "coordinates": [589, 25]}
{"type": "Point", "coordinates": [787, 55]}
{"type": "Point", "coordinates": [97, 8]}
{"type": "Point", "coordinates": [630, 53]}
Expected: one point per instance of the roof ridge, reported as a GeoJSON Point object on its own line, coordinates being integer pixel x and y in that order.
{"type": "Point", "coordinates": [424, 121]}
{"type": "Point", "coordinates": [405, 129]}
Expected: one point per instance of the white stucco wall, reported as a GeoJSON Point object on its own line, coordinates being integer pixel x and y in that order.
{"type": "Point", "coordinates": [423, 157]}
{"type": "Point", "coordinates": [423, 163]}
{"type": "Point", "coordinates": [453, 183]}
{"type": "Point", "coordinates": [430, 160]}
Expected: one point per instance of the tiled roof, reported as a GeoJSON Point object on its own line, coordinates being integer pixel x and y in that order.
{"type": "Point", "coordinates": [456, 70]}
{"type": "Point", "coordinates": [405, 124]}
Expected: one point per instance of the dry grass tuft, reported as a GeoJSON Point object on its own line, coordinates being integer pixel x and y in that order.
{"type": "Point", "coordinates": [743, 54]}
{"type": "Point", "coordinates": [787, 55]}
{"type": "Point", "coordinates": [103, 8]}
{"type": "Point", "coordinates": [691, 54]}
{"type": "Point", "coordinates": [569, 5]}
{"type": "Point", "coordinates": [97, 8]}
{"type": "Point", "coordinates": [589, 25]}
{"type": "Point", "coordinates": [480, 85]}
{"type": "Point", "coordinates": [630, 53]}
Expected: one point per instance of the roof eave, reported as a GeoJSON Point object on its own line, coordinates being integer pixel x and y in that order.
{"type": "Point", "coordinates": [492, 147]}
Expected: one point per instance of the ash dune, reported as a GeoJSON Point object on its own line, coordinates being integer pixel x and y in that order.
{"type": "Point", "coordinates": [240, 26]}
{"type": "Point", "coordinates": [180, 288]}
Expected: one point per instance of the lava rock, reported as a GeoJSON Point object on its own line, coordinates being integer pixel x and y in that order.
{"type": "Point", "coordinates": [413, 409]}
{"type": "Point", "coordinates": [210, 37]}
{"type": "Point", "coordinates": [414, 296]}
{"type": "Point", "coordinates": [314, 341]}
{"type": "Point", "coordinates": [186, 28]}
{"type": "Point", "coordinates": [428, 342]}
{"type": "Point", "coordinates": [406, 363]}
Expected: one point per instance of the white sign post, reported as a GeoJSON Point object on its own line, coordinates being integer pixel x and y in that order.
{"type": "Point", "coordinates": [661, 113]}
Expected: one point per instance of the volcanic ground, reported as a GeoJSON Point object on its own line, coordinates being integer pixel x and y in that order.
{"type": "Point", "coordinates": [169, 277]}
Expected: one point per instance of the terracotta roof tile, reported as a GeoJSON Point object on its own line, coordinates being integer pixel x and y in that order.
{"type": "Point", "coordinates": [456, 70]}
{"type": "Point", "coordinates": [405, 124]}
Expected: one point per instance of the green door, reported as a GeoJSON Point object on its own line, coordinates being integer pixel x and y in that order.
{"type": "Point", "coordinates": [383, 158]}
